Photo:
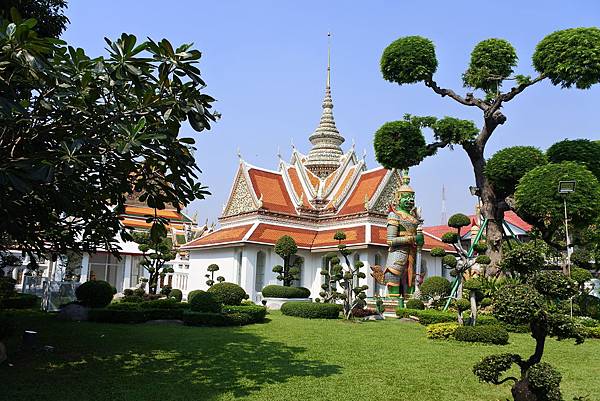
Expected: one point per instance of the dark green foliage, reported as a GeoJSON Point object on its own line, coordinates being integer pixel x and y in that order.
{"type": "Point", "coordinates": [582, 258]}
{"type": "Point", "coordinates": [7, 287]}
{"type": "Point", "coordinates": [589, 306]}
{"type": "Point", "coordinates": [399, 144]}
{"type": "Point", "coordinates": [483, 260]}
{"type": "Point", "coordinates": [408, 60]}
{"type": "Point", "coordinates": [538, 202]}
{"type": "Point", "coordinates": [517, 304]}
{"type": "Point", "coordinates": [544, 381]}
{"type": "Point", "coordinates": [435, 287]}
{"type": "Point", "coordinates": [473, 284]}
{"type": "Point", "coordinates": [132, 299]}
{"type": "Point", "coordinates": [339, 236]}
{"type": "Point", "coordinates": [491, 367]}
{"type": "Point", "coordinates": [192, 318]}
{"type": "Point", "coordinates": [192, 294]}
{"type": "Point", "coordinates": [286, 248]}
{"type": "Point", "coordinates": [157, 249]}
{"type": "Point", "coordinates": [581, 151]}
{"type": "Point", "coordinates": [462, 304]}
{"type": "Point", "coordinates": [212, 268]}
{"type": "Point", "coordinates": [163, 304]}
{"type": "Point", "coordinates": [450, 238]}
{"type": "Point", "coordinates": [438, 252]}
{"type": "Point", "coordinates": [49, 14]}
{"type": "Point", "coordinates": [415, 303]}
{"type": "Point", "coordinates": [485, 302]}
{"type": "Point", "coordinates": [256, 313]}
{"type": "Point", "coordinates": [117, 315]}
{"type": "Point", "coordinates": [165, 290]}
{"type": "Point", "coordinates": [427, 316]}
{"type": "Point", "coordinates": [480, 247]}
{"type": "Point", "coordinates": [580, 276]}
{"type": "Point", "coordinates": [311, 310]}
{"type": "Point", "coordinates": [459, 220]}
{"type": "Point", "coordinates": [482, 334]}
{"type": "Point", "coordinates": [524, 259]}
{"type": "Point", "coordinates": [110, 131]}
{"type": "Point", "coordinates": [449, 261]}
{"type": "Point", "coordinates": [506, 167]}
{"type": "Point", "coordinates": [163, 314]}
{"type": "Point", "coordinates": [228, 293]}
{"type": "Point", "coordinates": [570, 57]}
{"type": "Point", "coordinates": [176, 295]}
{"type": "Point", "coordinates": [280, 291]}
{"type": "Point", "coordinates": [492, 61]}
{"type": "Point", "coordinates": [19, 301]}
{"type": "Point", "coordinates": [455, 131]}
{"type": "Point", "coordinates": [554, 285]}
{"type": "Point", "coordinates": [95, 294]}
{"type": "Point", "coordinates": [203, 301]}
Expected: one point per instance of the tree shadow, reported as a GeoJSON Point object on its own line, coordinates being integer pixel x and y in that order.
{"type": "Point", "coordinates": [184, 363]}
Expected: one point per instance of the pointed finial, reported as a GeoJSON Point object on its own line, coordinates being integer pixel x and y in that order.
{"type": "Point", "coordinates": [364, 153]}
{"type": "Point", "coordinates": [328, 84]}
{"type": "Point", "coordinates": [353, 144]}
{"type": "Point", "coordinates": [239, 153]}
{"type": "Point", "coordinates": [279, 152]}
{"type": "Point", "coordinates": [293, 146]}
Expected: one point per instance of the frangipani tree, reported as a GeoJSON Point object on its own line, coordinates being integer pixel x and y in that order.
{"type": "Point", "coordinates": [566, 58]}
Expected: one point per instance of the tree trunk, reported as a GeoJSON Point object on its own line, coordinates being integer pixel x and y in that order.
{"type": "Point", "coordinates": [473, 300]}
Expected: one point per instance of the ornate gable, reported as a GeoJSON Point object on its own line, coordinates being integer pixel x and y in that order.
{"type": "Point", "coordinates": [241, 200]}
{"type": "Point", "coordinates": [386, 193]}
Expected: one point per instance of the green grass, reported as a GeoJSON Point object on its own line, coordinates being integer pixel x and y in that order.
{"type": "Point", "coordinates": [285, 359]}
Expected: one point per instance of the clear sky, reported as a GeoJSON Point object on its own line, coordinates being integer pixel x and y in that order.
{"type": "Point", "coordinates": [265, 61]}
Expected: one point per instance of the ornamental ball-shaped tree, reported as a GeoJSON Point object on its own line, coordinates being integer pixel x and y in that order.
{"type": "Point", "coordinates": [228, 293]}
{"type": "Point", "coordinates": [480, 247]}
{"type": "Point", "coordinates": [582, 151]}
{"type": "Point", "coordinates": [203, 301]}
{"type": "Point", "coordinates": [492, 61]}
{"type": "Point", "coordinates": [438, 252]}
{"type": "Point", "coordinates": [517, 304]}
{"type": "Point", "coordinates": [537, 199]}
{"type": "Point", "coordinates": [483, 260]}
{"type": "Point", "coordinates": [435, 287]}
{"type": "Point", "coordinates": [212, 267]}
{"type": "Point", "coordinates": [399, 144]}
{"type": "Point", "coordinates": [95, 293]}
{"type": "Point", "coordinates": [339, 236]}
{"type": "Point", "coordinates": [454, 130]}
{"type": "Point", "coordinates": [408, 60]}
{"type": "Point", "coordinates": [286, 246]}
{"type": "Point", "coordinates": [472, 284]}
{"type": "Point", "coordinates": [570, 57]}
{"type": "Point", "coordinates": [450, 238]}
{"type": "Point", "coordinates": [462, 305]}
{"type": "Point", "coordinates": [449, 261]}
{"type": "Point", "coordinates": [554, 285]}
{"type": "Point", "coordinates": [506, 167]}
{"type": "Point", "coordinates": [459, 220]}
{"type": "Point", "coordinates": [524, 259]}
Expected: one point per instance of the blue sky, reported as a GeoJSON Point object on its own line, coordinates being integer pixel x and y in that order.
{"type": "Point", "coordinates": [264, 61]}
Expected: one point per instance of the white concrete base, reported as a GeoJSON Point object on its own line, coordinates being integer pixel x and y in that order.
{"type": "Point", "coordinates": [275, 303]}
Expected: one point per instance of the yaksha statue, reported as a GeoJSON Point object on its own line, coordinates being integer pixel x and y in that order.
{"type": "Point", "coordinates": [403, 238]}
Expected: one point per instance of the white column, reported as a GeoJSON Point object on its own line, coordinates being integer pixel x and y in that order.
{"type": "Point", "coordinates": [127, 272]}
{"type": "Point", "coordinates": [85, 267]}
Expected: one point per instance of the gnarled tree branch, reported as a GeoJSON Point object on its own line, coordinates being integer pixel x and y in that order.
{"type": "Point", "coordinates": [468, 100]}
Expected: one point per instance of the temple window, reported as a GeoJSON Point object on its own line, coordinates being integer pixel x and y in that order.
{"type": "Point", "coordinates": [259, 281]}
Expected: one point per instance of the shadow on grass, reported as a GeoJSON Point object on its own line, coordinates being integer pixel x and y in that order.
{"type": "Point", "coordinates": [173, 363]}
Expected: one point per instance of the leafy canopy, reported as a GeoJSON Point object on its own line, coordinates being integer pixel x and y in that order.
{"type": "Point", "coordinates": [408, 60]}
{"type": "Point", "coordinates": [492, 61]}
{"type": "Point", "coordinates": [581, 151]}
{"type": "Point", "coordinates": [49, 14]}
{"type": "Point", "coordinates": [570, 57]}
{"type": "Point", "coordinates": [506, 167]}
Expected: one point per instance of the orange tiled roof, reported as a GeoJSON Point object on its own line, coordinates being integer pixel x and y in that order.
{"type": "Point", "coordinates": [270, 233]}
{"type": "Point", "coordinates": [295, 179]}
{"type": "Point", "coordinates": [354, 235]}
{"type": "Point", "coordinates": [141, 223]}
{"type": "Point", "coordinates": [344, 181]}
{"type": "Point", "coordinates": [329, 179]}
{"type": "Point", "coordinates": [148, 211]}
{"type": "Point", "coordinates": [230, 234]}
{"type": "Point", "coordinates": [366, 186]}
{"type": "Point", "coordinates": [314, 180]}
{"type": "Point", "coordinates": [274, 194]}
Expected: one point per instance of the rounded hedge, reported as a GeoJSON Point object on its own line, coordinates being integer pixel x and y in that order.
{"type": "Point", "coordinates": [492, 61]}
{"type": "Point", "coordinates": [462, 304]}
{"type": "Point", "coordinates": [408, 60]}
{"type": "Point", "coordinates": [506, 167]}
{"type": "Point", "coordinates": [450, 261]}
{"type": "Point", "coordinates": [203, 301]}
{"type": "Point", "coordinates": [517, 304]}
{"type": "Point", "coordinates": [450, 237]}
{"type": "Point", "coordinates": [399, 144]}
{"type": "Point", "coordinates": [544, 381]}
{"type": "Point", "coordinates": [472, 284]}
{"type": "Point", "coordinates": [228, 293]}
{"type": "Point", "coordinates": [438, 252]}
{"type": "Point", "coordinates": [570, 57]}
{"type": "Point", "coordinates": [483, 260]}
{"type": "Point", "coordinates": [582, 151]}
{"type": "Point", "coordinates": [435, 287]}
{"type": "Point", "coordinates": [482, 334]}
{"type": "Point", "coordinates": [414, 303]}
{"type": "Point", "coordinates": [485, 302]}
{"type": "Point", "coordinates": [176, 294]}
{"type": "Point", "coordinates": [192, 294]}
{"type": "Point", "coordinates": [95, 294]}
{"type": "Point", "coordinates": [459, 220]}
{"type": "Point", "coordinates": [280, 291]}
{"type": "Point", "coordinates": [441, 331]}
{"type": "Point", "coordinates": [311, 310]}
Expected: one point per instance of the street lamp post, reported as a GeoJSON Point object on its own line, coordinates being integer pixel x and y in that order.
{"type": "Point", "coordinates": [565, 188]}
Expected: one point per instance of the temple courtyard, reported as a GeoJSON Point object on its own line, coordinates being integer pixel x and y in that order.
{"type": "Point", "coordinates": [285, 358]}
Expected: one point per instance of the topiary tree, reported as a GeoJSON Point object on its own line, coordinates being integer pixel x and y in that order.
{"type": "Point", "coordinates": [212, 268]}
{"type": "Point", "coordinates": [286, 248]}
{"type": "Point", "coordinates": [435, 289]}
{"type": "Point", "coordinates": [473, 285]}
{"type": "Point", "coordinates": [228, 293]}
{"type": "Point", "coordinates": [531, 303]}
{"type": "Point", "coordinates": [570, 57]}
{"type": "Point", "coordinates": [203, 301]}
{"type": "Point", "coordinates": [345, 276]}
{"type": "Point", "coordinates": [95, 294]}
{"type": "Point", "coordinates": [582, 151]}
{"type": "Point", "coordinates": [523, 260]}
{"type": "Point", "coordinates": [157, 250]}
{"type": "Point", "coordinates": [506, 167]}
{"type": "Point", "coordinates": [580, 276]}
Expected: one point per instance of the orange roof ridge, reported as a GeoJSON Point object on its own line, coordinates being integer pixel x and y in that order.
{"type": "Point", "coordinates": [367, 185]}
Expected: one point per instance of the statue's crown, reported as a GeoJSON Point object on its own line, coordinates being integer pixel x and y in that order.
{"type": "Point", "coordinates": [404, 187]}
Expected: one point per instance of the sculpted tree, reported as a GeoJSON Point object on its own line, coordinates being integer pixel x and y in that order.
{"type": "Point", "coordinates": [79, 135]}
{"type": "Point", "coordinates": [157, 250]}
{"type": "Point", "coordinates": [286, 248]}
{"type": "Point", "coordinates": [567, 58]}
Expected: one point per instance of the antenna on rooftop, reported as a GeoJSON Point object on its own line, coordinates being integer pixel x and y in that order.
{"type": "Point", "coordinates": [444, 213]}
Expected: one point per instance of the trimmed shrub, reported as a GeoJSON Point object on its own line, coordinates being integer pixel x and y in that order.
{"type": "Point", "coordinates": [428, 316]}
{"type": "Point", "coordinates": [459, 220]}
{"type": "Point", "coordinates": [591, 332]}
{"type": "Point", "coordinates": [163, 304]}
{"type": "Point", "coordinates": [482, 334]}
{"type": "Point", "coordinates": [487, 320]}
{"type": "Point", "coordinates": [132, 299]}
{"type": "Point", "coordinates": [95, 294]}
{"type": "Point", "coordinates": [311, 310]}
{"type": "Point", "coordinates": [228, 293]}
{"type": "Point", "coordinates": [441, 331]}
{"type": "Point", "coordinates": [485, 302]}
{"type": "Point", "coordinates": [414, 303]}
{"type": "Point", "coordinates": [435, 287]}
{"type": "Point", "coordinates": [176, 294]}
{"type": "Point", "coordinates": [363, 312]}
{"type": "Point", "coordinates": [255, 313]}
{"type": "Point", "coordinates": [128, 292]}
{"type": "Point", "coordinates": [280, 291]}
{"type": "Point", "coordinates": [204, 301]}
{"type": "Point", "coordinates": [192, 294]}
{"type": "Point", "coordinates": [19, 301]}
{"type": "Point", "coordinates": [462, 304]}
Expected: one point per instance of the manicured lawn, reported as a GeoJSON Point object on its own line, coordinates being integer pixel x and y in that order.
{"type": "Point", "coordinates": [285, 359]}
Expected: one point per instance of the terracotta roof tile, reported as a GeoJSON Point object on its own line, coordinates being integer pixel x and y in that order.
{"type": "Point", "coordinates": [354, 235]}
{"type": "Point", "coordinates": [295, 179]}
{"type": "Point", "coordinates": [512, 218]}
{"type": "Point", "coordinates": [274, 194]}
{"type": "Point", "coordinates": [344, 180]}
{"type": "Point", "coordinates": [270, 233]}
{"type": "Point", "coordinates": [314, 180]}
{"type": "Point", "coordinates": [148, 211]}
{"type": "Point", "coordinates": [366, 186]}
{"type": "Point", "coordinates": [230, 234]}
{"type": "Point", "coordinates": [141, 223]}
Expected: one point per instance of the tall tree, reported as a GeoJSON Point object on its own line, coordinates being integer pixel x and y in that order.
{"type": "Point", "coordinates": [49, 14]}
{"type": "Point", "coordinates": [567, 58]}
{"type": "Point", "coordinates": [79, 135]}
